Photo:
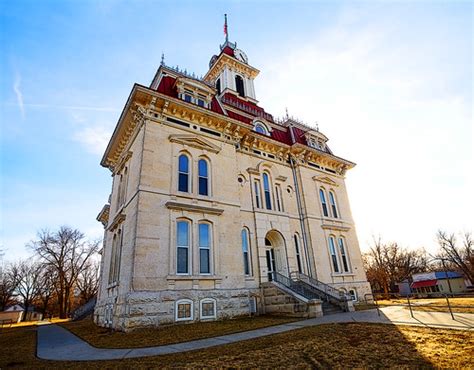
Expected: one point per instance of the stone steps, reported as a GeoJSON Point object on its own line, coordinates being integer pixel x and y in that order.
{"type": "Point", "coordinates": [280, 302]}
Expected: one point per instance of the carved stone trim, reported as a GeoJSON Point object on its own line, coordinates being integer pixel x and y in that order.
{"type": "Point", "coordinates": [281, 178]}
{"type": "Point", "coordinates": [195, 142]}
{"type": "Point", "coordinates": [326, 180]}
{"type": "Point", "coordinates": [193, 208]}
{"type": "Point", "coordinates": [338, 227]}
{"type": "Point", "coordinates": [117, 221]}
{"type": "Point", "coordinates": [103, 216]}
{"type": "Point", "coordinates": [253, 171]}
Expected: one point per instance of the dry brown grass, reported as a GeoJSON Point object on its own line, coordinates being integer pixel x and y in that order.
{"type": "Point", "coordinates": [460, 305]}
{"type": "Point", "coordinates": [105, 338]}
{"type": "Point", "coordinates": [326, 346]}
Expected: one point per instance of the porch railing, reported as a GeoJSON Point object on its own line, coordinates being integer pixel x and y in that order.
{"type": "Point", "coordinates": [294, 286]}
{"type": "Point", "coordinates": [327, 290]}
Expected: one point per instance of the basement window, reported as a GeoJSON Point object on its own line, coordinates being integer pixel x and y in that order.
{"type": "Point", "coordinates": [184, 310]}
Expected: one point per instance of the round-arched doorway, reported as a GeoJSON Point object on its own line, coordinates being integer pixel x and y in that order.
{"type": "Point", "coordinates": [275, 253]}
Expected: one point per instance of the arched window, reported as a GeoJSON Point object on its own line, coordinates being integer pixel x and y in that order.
{"type": "Point", "coordinates": [342, 251]}
{"type": "Point", "coordinates": [239, 85]}
{"type": "Point", "coordinates": [218, 86]}
{"type": "Point", "coordinates": [203, 174]}
{"type": "Point", "coordinates": [204, 249]}
{"type": "Point", "coordinates": [183, 173]}
{"type": "Point", "coordinates": [246, 251]}
{"type": "Point", "coordinates": [298, 255]}
{"type": "Point", "coordinates": [353, 294]}
{"type": "Point", "coordinates": [332, 200]}
{"type": "Point", "coordinates": [332, 251]}
{"type": "Point", "coordinates": [208, 308]}
{"type": "Point", "coordinates": [182, 247]}
{"type": "Point", "coordinates": [257, 193]}
{"type": "Point", "coordinates": [260, 128]}
{"type": "Point", "coordinates": [184, 310]}
{"type": "Point", "coordinates": [267, 191]}
{"type": "Point", "coordinates": [324, 204]}
{"type": "Point", "coordinates": [279, 200]}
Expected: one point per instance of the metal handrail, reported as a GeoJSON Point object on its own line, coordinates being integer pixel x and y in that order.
{"type": "Point", "coordinates": [322, 287]}
{"type": "Point", "coordinates": [294, 286]}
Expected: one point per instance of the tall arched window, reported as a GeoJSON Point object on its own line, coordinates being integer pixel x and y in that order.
{"type": "Point", "coordinates": [204, 249]}
{"type": "Point", "coordinates": [257, 193]}
{"type": "Point", "coordinates": [183, 173]}
{"type": "Point", "coordinates": [324, 204]}
{"type": "Point", "coordinates": [342, 251]}
{"type": "Point", "coordinates": [332, 200]}
{"type": "Point", "coordinates": [298, 255]}
{"type": "Point", "coordinates": [239, 85]}
{"type": "Point", "coordinates": [218, 86]}
{"type": "Point", "coordinates": [246, 251]}
{"type": "Point", "coordinates": [332, 251]}
{"type": "Point", "coordinates": [279, 200]}
{"type": "Point", "coordinates": [182, 247]}
{"type": "Point", "coordinates": [267, 191]}
{"type": "Point", "coordinates": [203, 174]}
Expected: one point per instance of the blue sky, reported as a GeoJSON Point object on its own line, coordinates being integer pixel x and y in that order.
{"type": "Point", "coordinates": [390, 83]}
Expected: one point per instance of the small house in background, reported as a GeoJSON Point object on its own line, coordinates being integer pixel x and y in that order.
{"type": "Point", "coordinates": [17, 311]}
{"type": "Point", "coordinates": [438, 282]}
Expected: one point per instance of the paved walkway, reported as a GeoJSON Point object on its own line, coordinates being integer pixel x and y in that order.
{"type": "Point", "coordinates": [57, 343]}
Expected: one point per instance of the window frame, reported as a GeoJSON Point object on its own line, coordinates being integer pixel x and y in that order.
{"type": "Point", "coordinates": [246, 257]}
{"type": "Point", "coordinates": [207, 248]}
{"type": "Point", "coordinates": [183, 173]}
{"type": "Point", "coordinates": [267, 191]}
{"type": "Point", "coordinates": [279, 198]}
{"type": "Point", "coordinates": [240, 79]}
{"type": "Point", "coordinates": [299, 262]}
{"type": "Point", "coordinates": [258, 198]}
{"type": "Point", "coordinates": [260, 125]}
{"type": "Point", "coordinates": [207, 300]}
{"type": "Point", "coordinates": [188, 247]}
{"type": "Point", "coordinates": [333, 254]}
{"type": "Point", "coordinates": [323, 200]}
{"type": "Point", "coordinates": [176, 310]}
{"type": "Point", "coordinates": [346, 266]}
{"type": "Point", "coordinates": [333, 204]}
{"type": "Point", "coordinates": [207, 177]}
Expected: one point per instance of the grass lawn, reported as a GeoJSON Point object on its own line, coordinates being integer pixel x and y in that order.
{"type": "Point", "coordinates": [461, 305]}
{"type": "Point", "coordinates": [101, 337]}
{"type": "Point", "coordinates": [326, 346]}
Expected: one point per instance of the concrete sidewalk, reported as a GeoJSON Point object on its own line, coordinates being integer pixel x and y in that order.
{"type": "Point", "coordinates": [57, 343]}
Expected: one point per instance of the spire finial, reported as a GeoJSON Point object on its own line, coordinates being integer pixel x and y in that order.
{"type": "Point", "coordinates": [226, 33]}
{"type": "Point", "coordinates": [162, 59]}
{"type": "Point", "coordinates": [287, 116]}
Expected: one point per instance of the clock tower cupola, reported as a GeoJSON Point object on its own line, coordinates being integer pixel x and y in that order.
{"type": "Point", "coordinates": [230, 71]}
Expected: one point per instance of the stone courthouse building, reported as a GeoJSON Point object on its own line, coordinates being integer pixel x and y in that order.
{"type": "Point", "coordinates": [219, 210]}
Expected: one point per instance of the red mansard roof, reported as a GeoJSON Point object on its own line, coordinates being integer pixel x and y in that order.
{"type": "Point", "coordinates": [166, 87]}
{"type": "Point", "coordinates": [229, 51]}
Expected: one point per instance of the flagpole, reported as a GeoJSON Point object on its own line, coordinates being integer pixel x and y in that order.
{"type": "Point", "coordinates": [226, 29]}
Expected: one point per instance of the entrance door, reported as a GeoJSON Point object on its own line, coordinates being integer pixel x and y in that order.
{"type": "Point", "coordinates": [270, 263]}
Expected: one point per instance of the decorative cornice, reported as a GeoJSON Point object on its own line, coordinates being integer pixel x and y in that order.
{"type": "Point", "coordinates": [193, 208]}
{"type": "Point", "coordinates": [119, 218]}
{"type": "Point", "coordinates": [232, 63]}
{"type": "Point", "coordinates": [195, 142]}
{"type": "Point", "coordinates": [103, 216]}
{"type": "Point", "coordinates": [253, 171]}
{"type": "Point", "coordinates": [326, 180]}
{"type": "Point", "coordinates": [281, 178]}
{"type": "Point", "coordinates": [334, 226]}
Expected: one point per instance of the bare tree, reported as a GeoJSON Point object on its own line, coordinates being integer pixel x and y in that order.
{"type": "Point", "coordinates": [46, 288]}
{"type": "Point", "coordinates": [387, 264]}
{"type": "Point", "coordinates": [8, 284]}
{"type": "Point", "coordinates": [461, 256]}
{"type": "Point", "coordinates": [27, 288]}
{"type": "Point", "coordinates": [66, 252]}
{"type": "Point", "coordinates": [88, 281]}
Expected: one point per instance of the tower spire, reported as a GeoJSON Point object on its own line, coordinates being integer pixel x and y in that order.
{"type": "Point", "coordinates": [226, 33]}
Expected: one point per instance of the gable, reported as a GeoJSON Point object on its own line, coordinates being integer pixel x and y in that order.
{"type": "Point", "coordinates": [195, 142]}
{"type": "Point", "coordinates": [326, 180]}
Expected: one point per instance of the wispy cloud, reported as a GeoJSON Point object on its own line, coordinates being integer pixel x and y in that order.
{"type": "Point", "coordinates": [19, 94]}
{"type": "Point", "coordinates": [94, 139]}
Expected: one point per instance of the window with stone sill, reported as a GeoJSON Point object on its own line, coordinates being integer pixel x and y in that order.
{"type": "Point", "coordinates": [184, 310]}
{"type": "Point", "coordinates": [208, 308]}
